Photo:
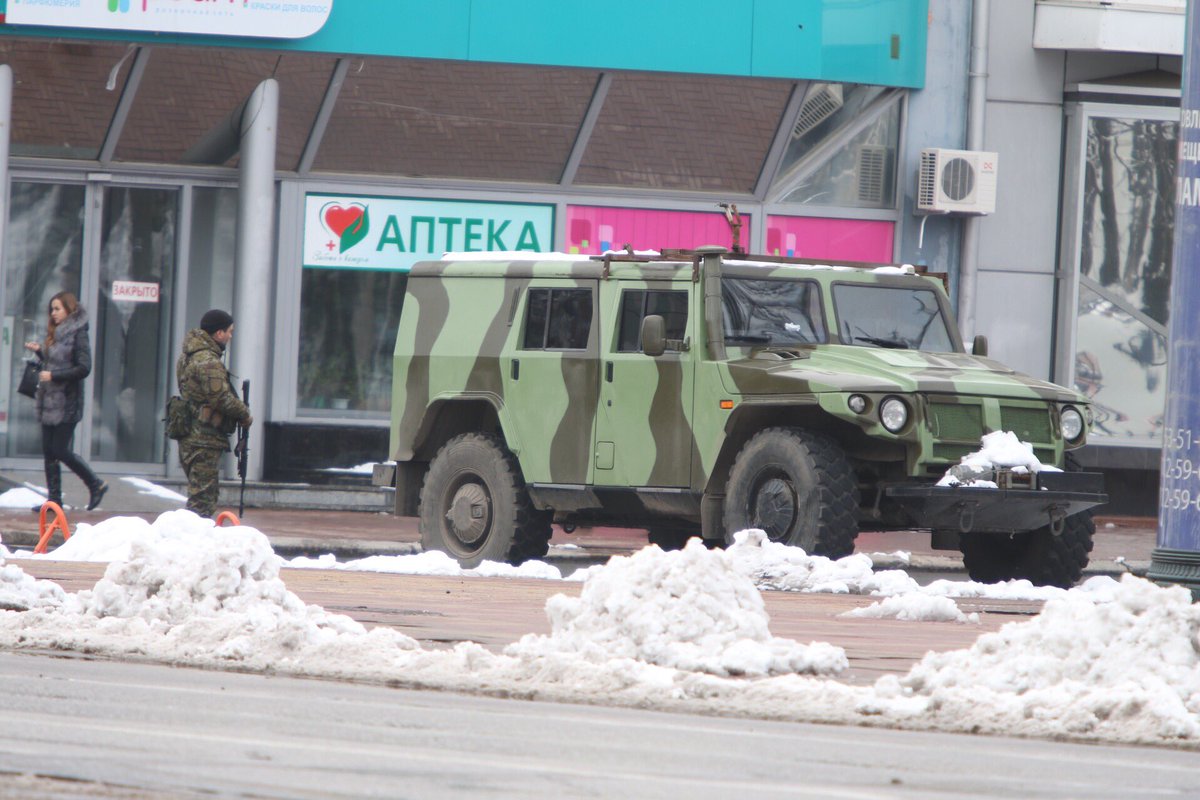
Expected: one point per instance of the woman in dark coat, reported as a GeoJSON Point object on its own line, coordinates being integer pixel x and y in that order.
{"type": "Point", "coordinates": [66, 360]}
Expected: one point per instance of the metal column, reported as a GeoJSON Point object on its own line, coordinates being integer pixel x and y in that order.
{"type": "Point", "coordinates": [1176, 559]}
{"type": "Point", "coordinates": [255, 257]}
{"type": "Point", "coordinates": [6, 90]}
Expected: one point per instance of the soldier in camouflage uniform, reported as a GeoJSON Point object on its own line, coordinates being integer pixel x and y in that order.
{"type": "Point", "coordinates": [215, 409]}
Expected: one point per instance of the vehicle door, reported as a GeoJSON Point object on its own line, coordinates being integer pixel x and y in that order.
{"type": "Point", "coordinates": [551, 378]}
{"type": "Point", "coordinates": [643, 426]}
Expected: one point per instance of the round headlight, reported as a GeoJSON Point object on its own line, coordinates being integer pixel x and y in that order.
{"type": "Point", "coordinates": [893, 413]}
{"type": "Point", "coordinates": [857, 403]}
{"type": "Point", "coordinates": [1071, 422]}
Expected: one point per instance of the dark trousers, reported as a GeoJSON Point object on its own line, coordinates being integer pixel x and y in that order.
{"type": "Point", "coordinates": [58, 447]}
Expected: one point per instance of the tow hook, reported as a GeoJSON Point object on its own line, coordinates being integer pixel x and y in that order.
{"type": "Point", "coordinates": [966, 517]}
{"type": "Point", "coordinates": [1058, 520]}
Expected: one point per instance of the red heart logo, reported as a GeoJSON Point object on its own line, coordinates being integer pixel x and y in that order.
{"type": "Point", "coordinates": [339, 219]}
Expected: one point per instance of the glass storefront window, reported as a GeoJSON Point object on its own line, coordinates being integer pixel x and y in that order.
{"type": "Point", "coordinates": [1121, 365]}
{"type": "Point", "coordinates": [1127, 228]}
{"type": "Point", "coordinates": [1129, 210]}
{"type": "Point", "coordinates": [43, 255]}
{"type": "Point", "coordinates": [131, 340]}
{"type": "Point", "coordinates": [212, 252]}
{"type": "Point", "coordinates": [860, 172]}
{"type": "Point", "coordinates": [348, 322]}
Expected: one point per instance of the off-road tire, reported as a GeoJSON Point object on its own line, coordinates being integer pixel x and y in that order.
{"type": "Point", "coordinates": [474, 505]}
{"type": "Point", "coordinates": [1038, 556]}
{"type": "Point", "coordinates": [797, 486]}
{"type": "Point", "coordinates": [669, 538]}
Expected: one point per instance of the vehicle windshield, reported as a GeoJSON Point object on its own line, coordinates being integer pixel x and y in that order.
{"type": "Point", "coordinates": [891, 317]}
{"type": "Point", "coordinates": [772, 312]}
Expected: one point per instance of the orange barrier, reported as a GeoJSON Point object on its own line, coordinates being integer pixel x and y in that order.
{"type": "Point", "coordinates": [228, 515]}
{"type": "Point", "coordinates": [60, 523]}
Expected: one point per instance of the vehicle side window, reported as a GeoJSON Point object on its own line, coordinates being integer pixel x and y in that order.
{"type": "Point", "coordinates": [557, 319]}
{"type": "Point", "coordinates": [636, 304]}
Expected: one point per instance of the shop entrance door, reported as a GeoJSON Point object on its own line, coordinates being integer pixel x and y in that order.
{"type": "Point", "coordinates": [131, 323]}
{"type": "Point", "coordinates": [115, 249]}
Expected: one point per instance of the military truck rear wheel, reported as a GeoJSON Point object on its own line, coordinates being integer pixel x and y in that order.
{"type": "Point", "coordinates": [798, 487]}
{"type": "Point", "coordinates": [1037, 556]}
{"type": "Point", "coordinates": [474, 505]}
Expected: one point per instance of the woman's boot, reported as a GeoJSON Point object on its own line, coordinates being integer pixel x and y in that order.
{"type": "Point", "coordinates": [96, 494]}
{"type": "Point", "coordinates": [96, 487]}
{"type": "Point", "coordinates": [53, 484]}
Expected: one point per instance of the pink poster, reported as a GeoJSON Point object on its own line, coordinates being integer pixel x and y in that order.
{"type": "Point", "coordinates": [591, 230]}
{"type": "Point", "coordinates": [835, 239]}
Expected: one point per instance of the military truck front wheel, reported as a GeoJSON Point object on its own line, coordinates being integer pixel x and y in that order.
{"type": "Point", "coordinates": [798, 487]}
{"type": "Point", "coordinates": [1039, 556]}
{"type": "Point", "coordinates": [474, 505]}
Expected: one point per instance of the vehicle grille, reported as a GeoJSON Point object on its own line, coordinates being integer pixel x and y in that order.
{"type": "Point", "coordinates": [1029, 424]}
{"type": "Point", "coordinates": [956, 421]}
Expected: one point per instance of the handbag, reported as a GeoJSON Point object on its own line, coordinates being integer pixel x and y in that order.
{"type": "Point", "coordinates": [29, 379]}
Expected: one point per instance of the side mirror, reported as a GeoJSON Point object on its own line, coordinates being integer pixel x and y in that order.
{"type": "Point", "coordinates": [979, 348]}
{"type": "Point", "coordinates": [654, 335]}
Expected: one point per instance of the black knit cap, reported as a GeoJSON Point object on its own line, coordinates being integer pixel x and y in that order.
{"type": "Point", "coordinates": [215, 320]}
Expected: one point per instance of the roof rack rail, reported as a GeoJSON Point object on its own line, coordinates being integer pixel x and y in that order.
{"type": "Point", "coordinates": [686, 254]}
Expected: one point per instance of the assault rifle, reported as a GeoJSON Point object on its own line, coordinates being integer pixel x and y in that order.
{"type": "Point", "coordinates": [242, 450]}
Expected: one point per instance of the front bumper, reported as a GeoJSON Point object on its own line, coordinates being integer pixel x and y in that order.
{"type": "Point", "coordinates": [1047, 499]}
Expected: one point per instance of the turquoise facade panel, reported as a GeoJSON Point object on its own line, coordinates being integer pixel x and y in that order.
{"type": "Point", "coordinates": [706, 36]}
{"type": "Point", "coordinates": [852, 41]}
{"type": "Point", "coordinates": [856, 41]}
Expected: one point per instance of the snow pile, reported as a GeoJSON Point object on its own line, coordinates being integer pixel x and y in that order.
{"type": "Point", "coordinates": [21, 497]}
{"type": "Point", "coordinates": [682, 631]}
{"type": "Point", "coordinates": [186, 591]}
{"type": "Point", "coordinates": [915, 607]}
{"type": "Point", "coordinates": [114, 539]}
{"type": "Point", "coordinates": [689, 609]}
{"type": "Point", "coordinates": [191, 592]}
{"type": "Point", "coordinates": [1000, 449]}
{"type": "Point", "coordinates": [768, 564]}
{"type": "Point", "coordinates": [21, 592]}
{"type": "Point", "coordinates": [772, 565]}
{"type": "Point", "coordinates": [432, 562]}
{"type": "Point", "coordinates": [154, 490]}
{"type": "Point", "coordinates": [1106, 660]}
{"type": "Point", "coordinates": [365, 468]}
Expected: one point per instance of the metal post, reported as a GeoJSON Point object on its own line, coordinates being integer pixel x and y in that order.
{"type": "Point", "coordinates": [1176, 559]}
{"type": "Point", "coordinates": [968, 271]}
{"type": "Point", "coordinates": [6, 90]}
{"type": "Point", "coordinates": [255, 253]}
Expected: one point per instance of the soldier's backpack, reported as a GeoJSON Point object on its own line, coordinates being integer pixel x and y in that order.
{"type": "Point", "coordinates": [179, 418]}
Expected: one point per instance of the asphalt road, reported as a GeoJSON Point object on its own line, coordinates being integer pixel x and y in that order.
{"type": "Point", "coordinates": [73, 728]}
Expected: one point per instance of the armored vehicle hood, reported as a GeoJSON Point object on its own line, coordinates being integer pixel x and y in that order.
{"type": "Point", "coordinates": [843, 368]}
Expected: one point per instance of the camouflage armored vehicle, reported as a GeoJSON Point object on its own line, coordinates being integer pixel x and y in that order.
{"type": "Point", "coordinates": [699, 393]}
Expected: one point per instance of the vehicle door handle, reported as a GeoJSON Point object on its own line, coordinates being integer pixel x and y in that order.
{"type": "Point", "coordinates": [608, 371]}
{"type": "Point", "coordinates": [516, 370]}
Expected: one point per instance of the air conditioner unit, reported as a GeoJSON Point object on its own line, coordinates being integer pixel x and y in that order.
{"type": "Point", "coordinates": [956, 182]}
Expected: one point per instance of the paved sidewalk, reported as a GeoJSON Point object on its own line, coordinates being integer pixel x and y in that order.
{"type": "Point", "coordinates": [306, 527]}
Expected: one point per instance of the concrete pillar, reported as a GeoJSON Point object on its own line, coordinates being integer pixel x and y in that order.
{"type": "Point", "coordinates": [256, 257]}
{"type": "Point", "coordinates": [1176, 559]}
